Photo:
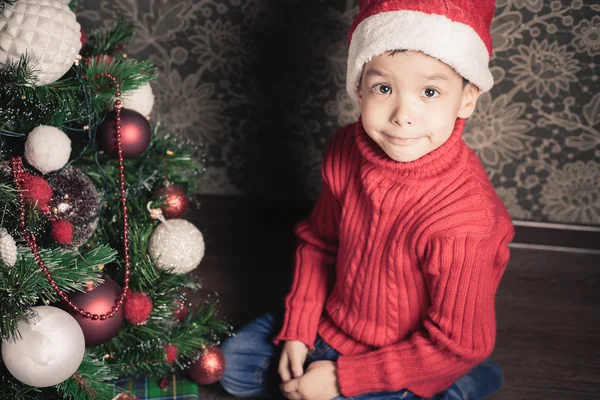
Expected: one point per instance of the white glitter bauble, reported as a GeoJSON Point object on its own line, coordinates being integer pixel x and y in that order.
{"type": "Point", "coordinates": [44, 29]}
{"type": "Point", "coordinates": [140, 99]}
{"type": "Point", "coordinates": [176, 244]}
{"type": "Point", "coordinates": [8, 248]}
{"type": "Point", "coordinates": [48, 352]}
{"type": "Point", "coordinates": [47, 148]}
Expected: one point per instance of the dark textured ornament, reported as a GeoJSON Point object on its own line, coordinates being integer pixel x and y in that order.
{"type": "Point", "coordinates": [98, 300]}
{"type": "Point", "coordinates": [75, 199]}
{"type": "Point", "coordinates": [176, 203]}
{"type": "Point", "coordinates": [209, 368]}
{"type": "Point", "coordinates": [135, 133]}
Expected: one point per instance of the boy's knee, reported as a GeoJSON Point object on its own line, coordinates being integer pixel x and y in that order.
{"type": "Point", "coordinates": [239, 383]}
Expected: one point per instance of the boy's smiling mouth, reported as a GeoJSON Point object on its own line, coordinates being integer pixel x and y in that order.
{"type": "Point", "coordinates": [400, 140]}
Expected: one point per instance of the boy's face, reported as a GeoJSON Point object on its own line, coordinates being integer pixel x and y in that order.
{"type": "Point", "coordinates": [410, 101]}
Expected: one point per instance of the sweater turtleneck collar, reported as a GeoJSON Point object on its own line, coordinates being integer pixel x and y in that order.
{"type": "Point", "coordinates": [451, 155]}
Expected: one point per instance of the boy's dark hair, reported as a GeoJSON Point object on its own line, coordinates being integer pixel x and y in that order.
{"type": "Point", "coordinates": [394, 52]}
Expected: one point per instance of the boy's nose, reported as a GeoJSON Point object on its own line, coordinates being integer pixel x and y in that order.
{"type": "Point", "coordinates": [402, 114]}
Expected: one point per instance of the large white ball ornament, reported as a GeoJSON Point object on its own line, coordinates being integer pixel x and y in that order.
{"type": "Point", "coordinates": [46, 30]}
{"type": "Point", "coordinates": [48, 352]}
{"type": "Point", "coordinates": [140, 99]}
{"type": "Point", "coordinates": [176, 244]}
{"type": "Point", "coordinates": [47, 148]}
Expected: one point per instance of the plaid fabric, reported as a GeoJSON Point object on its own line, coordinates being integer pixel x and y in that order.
{"type": "Point", "coordinates": [147, 388]}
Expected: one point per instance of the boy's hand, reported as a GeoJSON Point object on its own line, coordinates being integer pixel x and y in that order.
{"type": "Point", "coordinates": [318, 383]}
{"type": "Point", "coordinates": [291, 363]}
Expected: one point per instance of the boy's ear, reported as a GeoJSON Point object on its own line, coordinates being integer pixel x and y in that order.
{"type": "Point", "coordinates": [469, 101]}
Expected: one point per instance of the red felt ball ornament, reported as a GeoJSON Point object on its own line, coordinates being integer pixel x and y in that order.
{"type": "Point", "coordinates": [171, 354]}
{"type": "Point", "coordinates": [138, 308]}
{"type": "Point", "coordinates": [37, 191]}
{"type": "Point", "coordinates": [163, 383]}
{"type": "Point", "coordinates": [135, 133]}
{"type": "Point", "coordinates": [62, 231]}
{"type": "Point", "coordinates": [98, 300]}
{"type": "Point", "coordinates": [176, 203]}
{"type": "Point", "coordinates": [210, 367]}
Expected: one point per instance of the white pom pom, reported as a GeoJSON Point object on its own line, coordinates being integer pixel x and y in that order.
{"type": "Point", "coordinates": [47, 148]}
{"type": "Point", "coordinates": [140, 99]}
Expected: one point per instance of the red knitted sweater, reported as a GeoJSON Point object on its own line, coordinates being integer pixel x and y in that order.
{"type": "Point", "coordinates": [398, 265]}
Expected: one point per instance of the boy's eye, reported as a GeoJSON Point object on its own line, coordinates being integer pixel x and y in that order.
{"type": "Point", "coordinates": [430, 93]}
{"type": "Point", "coordinates": [382, 88]}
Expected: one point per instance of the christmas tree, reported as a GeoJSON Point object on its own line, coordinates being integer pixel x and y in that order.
{"type": "Point", "coordinates": [95, 255]}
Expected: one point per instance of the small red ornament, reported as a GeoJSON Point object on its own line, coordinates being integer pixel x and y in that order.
{"type": "Point", "coordinates": [98, 300]}
{"type": "Point", "coordinates": [100, 59]}
{"type": "Point", "coordinates": [176, 203]}
{"type": "Point", "coordinates": [37, 191]}
{"type": "Point", "coordinates": [138, 308]}
{"type": "Point", "coordinates": [135, 133]}
{"type": "Point", "coordinates": [164, 383]}
{"type": "Point", "coordinates": [62, 231]}
{"type": "Point", "coordinates": [171, 354]}
{"type": "Point", "coordinates": [210, 367]}
{"type": "Point", "coordinates": [83, 37]}
{"type": "Point", "coordinates": [181, 311]}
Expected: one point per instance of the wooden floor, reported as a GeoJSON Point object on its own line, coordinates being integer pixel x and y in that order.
{"type": "Point", "coordinates": [548, 304]}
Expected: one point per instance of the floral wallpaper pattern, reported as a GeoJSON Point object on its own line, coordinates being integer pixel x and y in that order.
{"type": "Point", "coordinates": [260, 83]}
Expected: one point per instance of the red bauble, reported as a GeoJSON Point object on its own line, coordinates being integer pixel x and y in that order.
{"type": "Point", "coordinates": [135, 133]}
{"type": "Point", "coordinates": [62, 231]}
{"type": "Point", "coordinates": [176, 203]}
{"type": "Point", "coordinates": [137, 308]}
{"type": "Point", "coordinates": [37, 191]}
{"type": "Point", "coordinates": [181, 311]}
{"type": "Point", "coordinates": [98, 300]}
{"type": "Point", "coordinates": [210, 367]}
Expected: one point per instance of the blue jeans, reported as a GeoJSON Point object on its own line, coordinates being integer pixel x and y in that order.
{"type": "Point", "coordinates": [252, 362]}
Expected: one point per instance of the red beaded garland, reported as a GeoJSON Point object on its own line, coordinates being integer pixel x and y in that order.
{"type": "Point", "coordinates": [18, 177]}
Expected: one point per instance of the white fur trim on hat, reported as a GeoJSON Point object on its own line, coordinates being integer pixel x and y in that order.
{"type": "Point", "coordinates": [454, 43]}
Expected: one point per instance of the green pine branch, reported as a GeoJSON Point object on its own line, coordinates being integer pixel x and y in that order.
{"type": "Point", "coordinates": [92, 381]}
{"type": "Point", "coordinates": [128, 72]}
{"type": "Point", "coordinates": [15, 389]}
{"type": "Point", "coordinates": [140, 350]}
{"type": "Point", "coordinates": [109, 41]}
{"type": "Point", "coordinates": [23, 286]}
{"type": "Point", "coordinates": [73, 5]}
{"type": "Point", "coordinates": [71, 102]}
{"type": "Point", "coordinates": [4, 3]}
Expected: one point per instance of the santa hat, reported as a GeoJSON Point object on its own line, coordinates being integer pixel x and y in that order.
{"type": "Point", "coordinates": [456, 32]}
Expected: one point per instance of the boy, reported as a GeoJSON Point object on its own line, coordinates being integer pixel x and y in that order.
{"type": "Point", "coordinates": [398, 264]}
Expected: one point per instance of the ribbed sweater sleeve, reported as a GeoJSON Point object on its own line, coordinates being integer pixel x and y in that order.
{"type": "Point", "coordinates": [462, 273]}
{"type": "Point", "coordinates": [314, 261]}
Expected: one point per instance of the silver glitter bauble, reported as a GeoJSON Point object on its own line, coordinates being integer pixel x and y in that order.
{"type": "Point", "coordinates": [176, 244]}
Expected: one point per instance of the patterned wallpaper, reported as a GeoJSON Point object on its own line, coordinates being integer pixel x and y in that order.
{"type": "Point", "coordinates": [260, 83]}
